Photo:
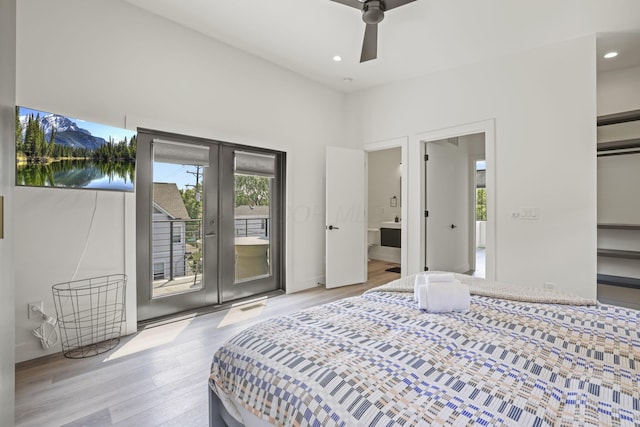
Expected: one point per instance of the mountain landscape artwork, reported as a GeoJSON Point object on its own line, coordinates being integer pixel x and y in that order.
{"type": "Point", "coordinates": [58, 151]}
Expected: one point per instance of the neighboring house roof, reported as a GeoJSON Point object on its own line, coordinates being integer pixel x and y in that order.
{"type": "Point", "coordinates": [166, 196]}
{"type": "Point", "coordinates": [245, 211]}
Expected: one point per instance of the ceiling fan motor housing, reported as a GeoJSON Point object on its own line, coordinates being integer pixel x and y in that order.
{"type": "Point", "coordinates": [373, 11]}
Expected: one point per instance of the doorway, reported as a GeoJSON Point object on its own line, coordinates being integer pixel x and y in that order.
{"type": "Point", "coordinates": [386, 189]}
{"type": "Point", "coordinates": [210, 223]}
{"type": "Point", "coordinates": [479, 244]}
{"type": "Point", "coordinates": [451, 176]}
{"type": "Point", "coordinates": [384, 204]}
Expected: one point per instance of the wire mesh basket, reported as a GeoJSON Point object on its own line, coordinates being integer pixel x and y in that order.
{"type": "Point", "coordinates": [90, 314]}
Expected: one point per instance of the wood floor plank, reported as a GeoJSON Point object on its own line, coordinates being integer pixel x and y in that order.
{"type": "Point", "coordinates": [97, 419]}
{"type": "Point", "coordinates": [148, 402]}
{"type": "Point", "coordinates": [163, 381]}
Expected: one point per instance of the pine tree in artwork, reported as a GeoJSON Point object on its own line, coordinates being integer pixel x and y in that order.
{"type": "Point", "coordinates": [30, 137]}
{"type": "Point", "coordinates": [19, 140]}
{"type": "Point", "coordinates": [51, 144]}
{"type": "Point", "coordinates": [41, 143]}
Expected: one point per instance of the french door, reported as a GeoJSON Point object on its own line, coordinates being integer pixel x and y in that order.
{"type": "Point", "coordinates": [209, 222]}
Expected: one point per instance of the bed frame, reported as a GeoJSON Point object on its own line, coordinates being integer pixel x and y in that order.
{"type": "Point", "coordinates": [218, 415]}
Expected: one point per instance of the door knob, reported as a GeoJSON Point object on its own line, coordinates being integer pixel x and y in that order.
{"type": "Point", "coordinates": [453, 226]}
{"type": "Point", "coordinates": [331, 227]}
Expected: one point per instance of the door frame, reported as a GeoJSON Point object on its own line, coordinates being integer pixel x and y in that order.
{"type": "Point", "coordinates": [488, 128]}
{"type": "Point", "coordinates": [403, 143]}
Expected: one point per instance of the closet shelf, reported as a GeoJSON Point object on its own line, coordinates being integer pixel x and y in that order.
{"type": "Point", "coordinates": [612, 119]}
{"type": "Point", "coordinates": [614, 226]}
{"type": "Point", "coordinates": [617, 253]}
{"type": "Point", "coordinates": [622, 144]}
{"type": "Point", "coordinates": [625, 282]}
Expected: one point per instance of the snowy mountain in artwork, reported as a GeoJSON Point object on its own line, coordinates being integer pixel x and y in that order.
{"type": "Point", "coordinates": [60, 124]}
{"type": "Point", "coordinates": [68, 133]}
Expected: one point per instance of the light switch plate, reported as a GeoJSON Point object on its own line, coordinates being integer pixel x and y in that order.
{"type": "Point", "coordinates": [529, 213]}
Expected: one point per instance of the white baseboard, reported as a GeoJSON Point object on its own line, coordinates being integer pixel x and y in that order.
{"type": "Point", "coordinates": [306, 284]}
{"type": "Point", "coordinates": [462, 268]}
{"type": "Point", "coordinates": [387, 254]}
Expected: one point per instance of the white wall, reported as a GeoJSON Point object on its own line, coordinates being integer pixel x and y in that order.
{"type": "Point", "coordinates": [384, 183]}
{"type": "Point", "coordinates": [544, 105]}
{"type": "Point", "coordinates": [384, 173]}
{"type": "Point", "coordinates": [618, 190]}
{"type": "Point", "coordinates": [7, 156]}
{"type": "Point", "coordinates": [60, 240]}
{"type": "Point", "coordinates": [619, 91]}
{"type": "Point", "coordinates": [106, 60]}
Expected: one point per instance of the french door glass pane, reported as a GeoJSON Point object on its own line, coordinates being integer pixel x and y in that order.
{"type": "Point", "coordinates": [177, 250]}
{"type": "Point", "coordinates": [252, 216]}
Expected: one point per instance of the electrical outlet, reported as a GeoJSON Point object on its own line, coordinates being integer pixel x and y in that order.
{"type": "Point", "coordinates": [549, 286]}
{"type": "Point", "coordinates": [35, 308]}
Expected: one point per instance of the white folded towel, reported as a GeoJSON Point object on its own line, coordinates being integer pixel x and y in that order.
{"type": "Point", "coordinates": [442, 277]}
{"type": "Point", "coordinates": [444, 297]}
{"type": "Point", "coordinates": [423, 279]}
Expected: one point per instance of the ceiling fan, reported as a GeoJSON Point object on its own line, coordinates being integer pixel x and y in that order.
{"type": "Point", "coordinates": [372, 14]}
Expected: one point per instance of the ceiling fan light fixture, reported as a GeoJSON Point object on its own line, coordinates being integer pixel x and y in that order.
{"type": "Point", "coordinates": [373, 12]}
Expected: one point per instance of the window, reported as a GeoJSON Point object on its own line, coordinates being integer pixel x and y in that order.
{"type": "Point", "coordinates": [177, 234]}
{"type": "Point", "coordinates": [158, 270]}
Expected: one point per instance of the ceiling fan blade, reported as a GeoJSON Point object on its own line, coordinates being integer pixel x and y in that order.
{"type": "Point", "coordinates": [392, 4]}
{"type": "Point", "coordinates": [370, 43]}
{"type": "Point", "coordinates": [352, 3]}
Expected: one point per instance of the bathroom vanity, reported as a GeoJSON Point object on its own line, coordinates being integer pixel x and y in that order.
{"type": "Point", "coordinates": [390, 234]}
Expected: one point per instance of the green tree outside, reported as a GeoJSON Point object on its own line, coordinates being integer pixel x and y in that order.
{"type": "Point", "coordinates": [252, 190]}
{"type": "Point", "coordinates": [481, 204]}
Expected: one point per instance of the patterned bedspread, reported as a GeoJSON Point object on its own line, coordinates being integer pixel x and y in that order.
{"type": "Point", "coordinates": [377, 360]}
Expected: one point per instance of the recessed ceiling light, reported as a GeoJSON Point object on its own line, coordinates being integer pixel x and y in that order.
{"type": "Point", "coordinates": [337, 58]}
{"type": "Point", "coordinates": [347, 80]}
{"type": "Point", "coordinates": [610, 55]}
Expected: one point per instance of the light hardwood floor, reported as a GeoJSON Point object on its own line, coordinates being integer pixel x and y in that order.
{"type": "Point", "coordinates": [157, 377]}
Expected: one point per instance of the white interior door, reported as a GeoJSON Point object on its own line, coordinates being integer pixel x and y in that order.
{"type": "Point", "coordinates": [345, 231]}
{"type": "Point", "coordinates": [448, 206]}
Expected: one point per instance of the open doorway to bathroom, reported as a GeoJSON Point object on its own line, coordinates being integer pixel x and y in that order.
{"type": "Point", "coordinates": [384, 207]}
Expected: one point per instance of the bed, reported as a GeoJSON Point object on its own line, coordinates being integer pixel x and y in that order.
{"type": "Point", "coordinates": [521, 357]}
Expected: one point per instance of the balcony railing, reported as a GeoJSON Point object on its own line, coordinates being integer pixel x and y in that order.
{"type": "Point", "coordinates": [250, 227]}
{"type": "Point", "coordinates": [177, 244]}
{"type": "Point", "coordinates": [177, 248]}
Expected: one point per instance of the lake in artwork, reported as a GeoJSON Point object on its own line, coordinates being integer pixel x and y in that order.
{"type": "Point", "coordinates": [58, 151]}
{"type": "Point", "coordinates": [77, 174]}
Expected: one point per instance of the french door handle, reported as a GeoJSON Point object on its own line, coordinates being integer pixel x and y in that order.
{"type": "Point", "coordinates": [331, 227]}
{"type": "Point", "coordinates": [213, 234]}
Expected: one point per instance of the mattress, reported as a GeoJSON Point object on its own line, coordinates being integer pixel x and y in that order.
{"type": "Point", "coordinates": [518, 357]}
